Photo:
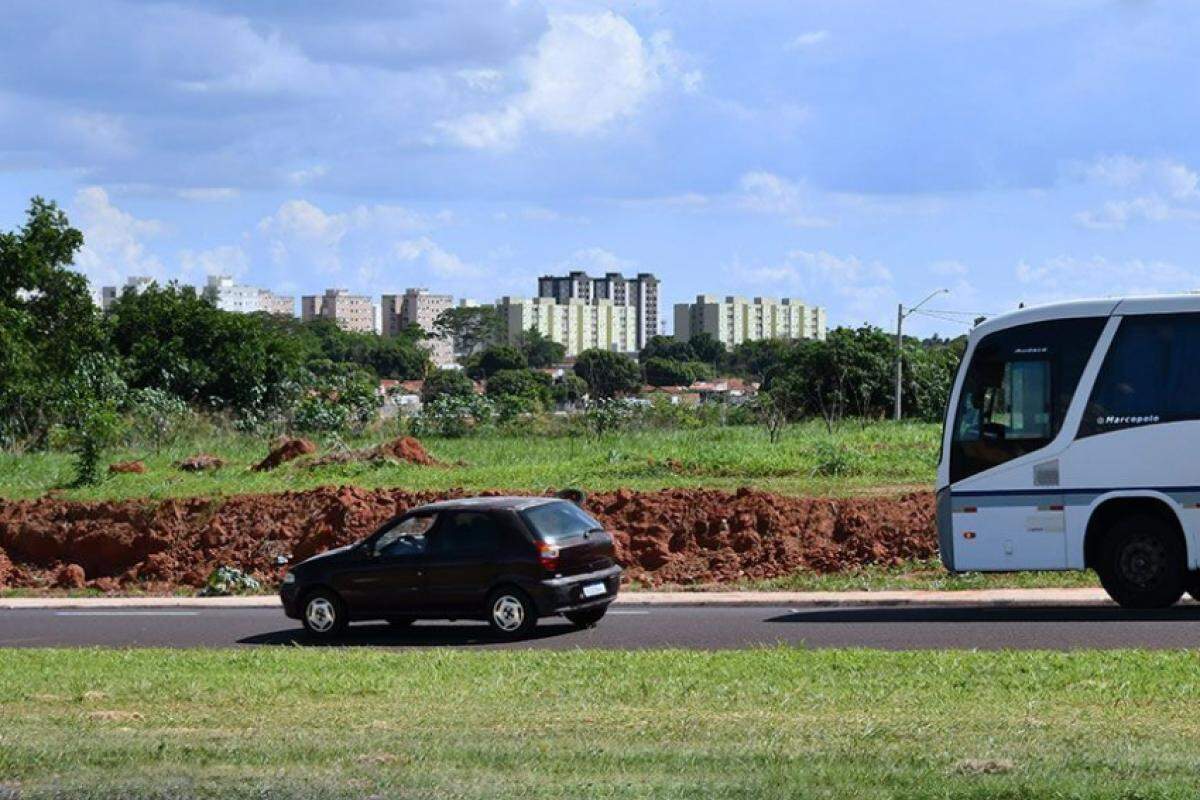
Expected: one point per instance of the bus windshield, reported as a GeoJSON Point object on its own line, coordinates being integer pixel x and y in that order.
{"type": "Point", "coordinates": [1016, 391]}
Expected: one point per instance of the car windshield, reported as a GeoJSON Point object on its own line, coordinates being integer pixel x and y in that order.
{"type": "Point", "coordinates": [560, 520]}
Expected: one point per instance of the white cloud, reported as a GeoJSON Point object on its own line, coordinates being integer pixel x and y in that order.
{"type": "Point", "coordinates": [853, 289]}
{"type": "Point", "coordinates": [434, 257]}
{"type": "Point", "coordinates": [949, 268]}
{"type": "Point", "coordinates": [596, 260]}
{"type": "Point", "coordinates": [1162, 190]}
{"type": "Point", "coordinates": [301, 230]}
{"type": "Point", "coordinates": [588, 71]}
{"type": "Point", "coordinates": [808, 39]}
{"type": "Point", "coordinates": [1065, 277]}
{"type": "Point", "coordinates": [209, 194]}
{"type": "Point", "coordinates": [112, 240]}
{"type": "Point", "coordinates": [223, 260]}
{"type": "Point", "coordinates": [767, 193]}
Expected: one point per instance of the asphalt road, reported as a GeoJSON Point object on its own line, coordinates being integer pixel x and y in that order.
{"type": "Point", "coordinates": [1059, 628]}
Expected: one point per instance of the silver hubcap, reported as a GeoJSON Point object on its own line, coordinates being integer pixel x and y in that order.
{"type": "Point", "coordinates": [320, 614]}
{"type": "Point", "coordinates": [508, 612]}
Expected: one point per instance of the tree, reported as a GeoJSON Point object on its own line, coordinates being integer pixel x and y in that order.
{"type": "Point", "coordinates": [172, 339]}
{"type": "Point", "coordinates": [527, 389]}
{"type": "Point", "coordinates": [667, 347]}
{"type": "Point", "coordinates": [446, 383]}
{"type": "Point", "coordinates": [48, 323]}
{"type": "Point", "coordinates": [540, 350]}
{"type": "Point", "coordinates": [470, 328]}
{"type": "Point", "coordinates": [707, 348]}
{"type": "Point", "coordinates": [569, 389]}
{"type": "Point", "coordinates": [494, 359]}
{"type": "Point", "coordinates": [665, 372]}
{"type": "Point", "coordinates": [90, 400]}
{"type": "Point", "coordinates": [756, 358]}
{"type": "Point", "coordinates": [608, 374]}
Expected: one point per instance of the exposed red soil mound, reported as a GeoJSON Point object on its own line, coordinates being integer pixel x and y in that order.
{"type": "Point", "coordinates": [123, 467]}
{"type": "Point", "coordinates": [285, 450]}
{"type": "Point", "coordinates": [201, 462]}
{"type": "Point", "coordinates": [405, 449]}
{"type": "Point", "coordinates": [677, 536]}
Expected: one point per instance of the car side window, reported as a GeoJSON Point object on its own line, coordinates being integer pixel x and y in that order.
{"type": "Point", "coordinates": [466, 534]}
{"type": "Point", "coordinates": [407, 537]}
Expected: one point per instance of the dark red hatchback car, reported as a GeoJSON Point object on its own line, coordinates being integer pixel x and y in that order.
{"type": "Point", "coordinates": [506, 560]}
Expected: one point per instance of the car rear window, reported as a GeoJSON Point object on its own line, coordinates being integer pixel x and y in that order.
{"type": "Point", "coordinates": [559, 520]}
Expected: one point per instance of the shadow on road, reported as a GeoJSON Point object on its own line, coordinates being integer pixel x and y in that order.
{"type": "Point", "coordinates": [909, 614]}
{"type": "Point", "coordinates": [418, 635]}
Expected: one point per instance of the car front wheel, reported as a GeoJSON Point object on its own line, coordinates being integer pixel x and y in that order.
{"type": "Point", "coordinates": [1143, 564]}
{"type": "Point", "coordinates": [324, 614]}
{"type": "Point", "coordinates": [511, 613]}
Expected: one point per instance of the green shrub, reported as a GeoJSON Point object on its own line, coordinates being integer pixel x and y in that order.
{"type": "Point", "coordinates": [833, 460]}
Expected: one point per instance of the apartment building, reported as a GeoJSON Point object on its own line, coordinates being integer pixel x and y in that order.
{"type": "Point", "coordinates": [351, 312]}
{"type": "Point", "coordinates": [576, 324]}
{"type": "Point", "coordinates": [640, 293]}
{"type": "Point", "coordinates": [109, 294]}
{"type": "Point", "coordinates": [734, 320]}
{"type": "Point", "coordinates": [418, 307]}
{"type": "Point", "coordinates": [225, 294]}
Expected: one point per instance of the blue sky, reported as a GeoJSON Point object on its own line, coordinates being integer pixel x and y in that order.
{"type": "Point", "coordinates": [855, 154]}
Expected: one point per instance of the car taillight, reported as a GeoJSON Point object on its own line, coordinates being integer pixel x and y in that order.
{"type": "Point", "coordinates": [548, 556]}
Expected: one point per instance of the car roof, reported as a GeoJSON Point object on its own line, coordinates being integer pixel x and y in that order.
{"type": "Point", "coordinates": [1153, 304]}
{"type": "Point", "coordinates": [488, 504]}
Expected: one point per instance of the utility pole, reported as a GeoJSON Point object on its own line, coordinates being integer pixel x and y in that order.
{"type": "Point", "coordinates": [901, 314]}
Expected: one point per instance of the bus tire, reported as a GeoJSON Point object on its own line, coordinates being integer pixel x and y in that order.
{"type": "Point", "coordinates": [1142, 563]}
{"type": "Point", "coordinates": [1193, 585]}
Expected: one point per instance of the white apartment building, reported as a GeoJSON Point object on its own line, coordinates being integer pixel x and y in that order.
{"type": "Point", "coordinates": [108, 294]}
{"type": "Point", "coordinates": [734, 320]}
{"type": "Point", "coordinates": [575, 323]}
{"type": "Point", "coordinates": [351, 312]}
{"type": "Point", "coordinates": [226, 295]}
{"type": "Point", "coordinates": [419, 307]}
{"type": "Point", "coordinates": [640, 293]}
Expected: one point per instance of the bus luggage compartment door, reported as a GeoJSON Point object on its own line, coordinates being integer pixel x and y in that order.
{"type": "Point", "coordinates": [998, 532]}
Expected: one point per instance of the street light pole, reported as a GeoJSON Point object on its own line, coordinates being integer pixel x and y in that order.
{"type": "Point", "coordinates": [901, 314]}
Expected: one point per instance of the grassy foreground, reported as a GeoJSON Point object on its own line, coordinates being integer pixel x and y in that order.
{"type": "Point", "coordinates": [762, 723]}
{"type": "Point", "coordinates": [863, 457]}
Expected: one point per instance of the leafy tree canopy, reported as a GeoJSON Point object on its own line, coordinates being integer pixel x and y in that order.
{"type": "Point", "coordinates": [608, 374]}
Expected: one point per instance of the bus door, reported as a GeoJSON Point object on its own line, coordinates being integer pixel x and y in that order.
{"type": "Point", "coordinates": [1014, 395]}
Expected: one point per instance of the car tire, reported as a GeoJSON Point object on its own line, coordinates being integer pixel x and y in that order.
{"type": "Point", "coordinates": [400, 622]}
{"type": "Point", "coordinates": [1142, 563]}
{"type": "Point", "coordinates": [511, 613]}
{"type": "Point", "coordinates": [324, 614]}
{"type": "Point", "coordinates": [586, 618]}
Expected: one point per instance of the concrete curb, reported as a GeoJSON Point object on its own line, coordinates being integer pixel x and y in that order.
{"type": "Point", "coordinates": [967, 597]}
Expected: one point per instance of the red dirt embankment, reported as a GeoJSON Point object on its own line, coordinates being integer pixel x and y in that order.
{"type": "Point", "coordinates": [673, 536]}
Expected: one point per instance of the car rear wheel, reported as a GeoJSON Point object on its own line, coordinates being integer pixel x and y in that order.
{"type": "Point", "coordinates": [511, 613]}
{"type": "Point", "coordinates": [586, 619]}
{"type": "Point", "coordinates": [1143, 564]}
{"type": "Point", "coordinates": [324, 614]}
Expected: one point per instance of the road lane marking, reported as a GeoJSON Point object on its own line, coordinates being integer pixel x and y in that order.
{"type": "Point", "coordinates": [126, 613]}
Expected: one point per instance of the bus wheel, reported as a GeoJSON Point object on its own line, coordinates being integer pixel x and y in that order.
{"type": "Point", "coordinates": [1142, 564]}
{"type": "Point", "coordinates": [1193, 585]}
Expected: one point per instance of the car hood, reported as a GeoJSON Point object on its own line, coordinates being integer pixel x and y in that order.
{"type": "Point", "coordinates": [329, 556]}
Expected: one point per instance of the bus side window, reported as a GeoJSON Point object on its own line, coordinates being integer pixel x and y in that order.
{"type": "Point", "coordinates": [1149, 375]}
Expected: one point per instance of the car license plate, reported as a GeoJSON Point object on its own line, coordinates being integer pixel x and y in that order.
{"type": "Point", "coordinates": [594, 590]}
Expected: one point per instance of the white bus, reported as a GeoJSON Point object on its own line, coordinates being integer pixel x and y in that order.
{"type": "Point", "coordinates": [1072, 441]}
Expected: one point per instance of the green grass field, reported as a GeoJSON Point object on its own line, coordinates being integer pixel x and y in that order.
{"type": "Point", "coordinates": [878, 457]}
{"type": "Point", "coordinates": [746, 724]}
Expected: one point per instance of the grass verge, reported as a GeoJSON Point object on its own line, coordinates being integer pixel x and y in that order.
{"type": "Point", "coordinates": [672, 724]}
{"type": "Point", "coordinates": [865, 457]}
